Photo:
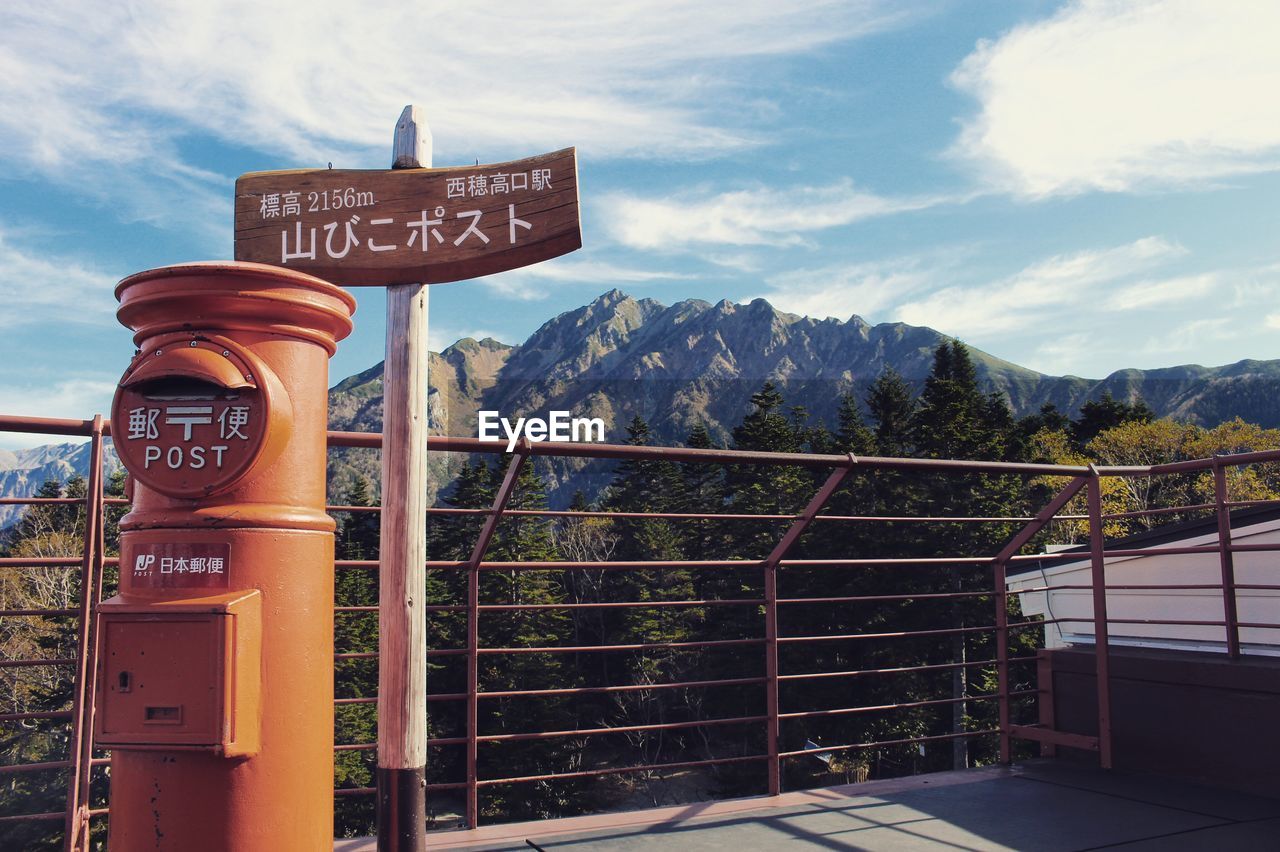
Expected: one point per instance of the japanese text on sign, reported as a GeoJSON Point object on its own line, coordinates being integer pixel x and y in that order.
{"type": "Point", "coordinates": [146, 562]}
{"type": "Point", "coordinates": [176, 564]}
{"type": "Point", "coordinates": [380, 227]}
{"type": "Point", "coordinates": [304, 246]}
{"type": "Point", "coordinates": [229, 424]}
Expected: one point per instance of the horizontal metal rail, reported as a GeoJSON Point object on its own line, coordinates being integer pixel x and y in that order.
{"type": "Point", "coordinates": [639, 646]}
{"type": "Point", "coordinates": [373, 440]}
{"type": "Point", "coordinates": [712, 516]}
{"type": "Point", "coordinates": [17, 768]}
{"type": "Point", "coordinates": [635, 687]}
{"type": "Point", "coordinates": [619, 729]}
{"type": "Point", "coordinates": [883, 743]}
{"type": "Point", "coordinates": [904, 634]}
{"type": "Point", "coordinates": [617, 770]}
{"type": "Point", "coordinates": [5, 664]}
{"type": "Point", "coordinates": [902, 705]}
{"type": "Point", "coordinates": [970, 664]}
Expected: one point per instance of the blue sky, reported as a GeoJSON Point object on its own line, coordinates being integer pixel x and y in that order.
{"type": "Point", "coordinates": [1078, 187]}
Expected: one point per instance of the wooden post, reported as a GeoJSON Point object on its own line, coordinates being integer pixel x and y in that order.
{"type": "Point", "coordinates": [402, 629]}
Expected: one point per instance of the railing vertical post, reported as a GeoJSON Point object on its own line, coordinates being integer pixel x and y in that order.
{"type": "Point", "coordinates": [771, 674]}
{"type": "Point", "coordinates": [1002, 660]}
{"type": "Point", "coordinates": [1230, 615]}
{"type": "Point", "coordinates": [770, 566]}
{"type": "Point", "coordinates": [473, 686]}
{"type": "Point", "coordinates": [1000, 565]}
{"type": "Point", "coordinates": [1102, 655]}
{"type": "Point", "coordinates": [473, 629]}
{"type": "Point", "coordinates": [80, 745]}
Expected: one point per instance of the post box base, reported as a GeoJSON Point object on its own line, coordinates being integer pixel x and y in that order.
{"type": "Point", "coordinates": [280, 799]}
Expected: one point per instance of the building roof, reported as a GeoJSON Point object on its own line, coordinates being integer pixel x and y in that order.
{"type": "Point", "coordinates": [1166, 534]}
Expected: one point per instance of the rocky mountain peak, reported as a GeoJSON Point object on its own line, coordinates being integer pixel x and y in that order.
{"type": "Point", "coordinates": [697, 363]}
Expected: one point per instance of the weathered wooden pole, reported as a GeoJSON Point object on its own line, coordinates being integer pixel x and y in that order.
{"type": "Point", "coordinates": [374, 228]}
{"type": "Point", "coordinates": [402, 629]}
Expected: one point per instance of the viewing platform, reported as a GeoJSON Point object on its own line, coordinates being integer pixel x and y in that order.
{"type": "Point", "coordinates": [1040, 804]}
{"type": "Point", "coordinates": [1113, 739]}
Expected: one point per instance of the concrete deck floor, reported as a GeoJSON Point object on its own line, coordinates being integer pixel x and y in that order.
{"type": "Point", "coordinates": [1037, 805]}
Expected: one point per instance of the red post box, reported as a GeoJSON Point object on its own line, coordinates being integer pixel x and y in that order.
{"type": "Point", "coordinates": [216, 658]}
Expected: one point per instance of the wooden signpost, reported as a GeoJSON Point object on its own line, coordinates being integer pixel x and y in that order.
{"type": "Point", "coordinates": [406, 228]}
{"type": "Point", "coordinates": [410, 225]}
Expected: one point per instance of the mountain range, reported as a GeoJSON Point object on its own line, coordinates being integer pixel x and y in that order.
{"type": "Point", "coordinates": [697, 362]}
{"type": "Point", "coordinates": [22, 472]}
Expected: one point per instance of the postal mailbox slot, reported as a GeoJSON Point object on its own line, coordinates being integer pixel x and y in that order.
{"type": "Point", "coordinates": [196, 414]}
{"type": "Point", "coordinates": [181, 674]}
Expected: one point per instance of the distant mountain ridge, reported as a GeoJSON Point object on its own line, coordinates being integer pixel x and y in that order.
{"type": "Point", "coordinates": [697, 362]}
{"type": "Point", "coordinates": [22, 472]}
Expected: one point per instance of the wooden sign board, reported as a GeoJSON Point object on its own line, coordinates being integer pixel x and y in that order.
{"type": "Point", "coordinates": [406, 226]}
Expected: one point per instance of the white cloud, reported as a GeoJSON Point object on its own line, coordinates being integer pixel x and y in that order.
{"type": "Point", "coordinates": [531, 283]}
{"type": "Point", "coordinates": [842, 291]}
{"type": "Point", "coordinates": [1116, 96]}
{"type": "Point", "coordinates": [1023, 301]}
{"type": "Point", "coordinates": [115, 87]}
{"type": "Point", "coordinates": [1056, 351]}
{"type": "Point", "coordinates": [748, 217]}
{"type": "Point", "coordinates": [1190, 336]}
{"type": "Point", "coordinates": [1272, 321]}
{"type": "Point", "coordinates": [39, 287]}
{"type": "Point", "coordinates": [76, 399]}
{"type": "Point", "coordinates": [1146, 294]}
{"type": "Point", "coordinates": [1252, 288]}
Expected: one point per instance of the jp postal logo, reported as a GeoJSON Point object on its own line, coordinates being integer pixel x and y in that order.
{"type": "Point", "coordinates": [190, 416]}
{"type": "Point", "coordinates": [175, 565]}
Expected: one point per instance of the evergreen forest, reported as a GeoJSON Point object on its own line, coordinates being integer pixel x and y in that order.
{"type": "Point", "coordinates": [682, 608]}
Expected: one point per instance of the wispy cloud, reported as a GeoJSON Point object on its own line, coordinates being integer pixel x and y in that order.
{"type": "Point", "coordinates": [748, 217]}
{"type": "Point", "coordinates": [1057, 350]}
{"type": "Point", "coordinates": [1190, 336]}
{"type": "Point", "coordinates": [1029, 298]}
{"type": "Point", "coordinates": [842, 291]}
{"type": "Point", "coordinates": [73, 398]}
{"type": "Point", "coordinates": [532, 283]}
{"type": "Point", "coordinates": [95, 92]}
{"type": "Point", "coordinates": [1161, 293]}
{"type": "Point", "coordinates": [1118, 96]}
{"type": "Point", "coordinates": [1253, 287]}
{"type": "Point", "coordinates": [37, 286]}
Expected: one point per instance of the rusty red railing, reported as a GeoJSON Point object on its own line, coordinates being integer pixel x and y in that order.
{"type": "Point", "coordinates": [81, 758]}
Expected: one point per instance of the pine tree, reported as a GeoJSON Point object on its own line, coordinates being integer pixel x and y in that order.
{"type": "Point", "coordinates": [892, 408]}
{"type": "Point", "coordinates": [955, 420]}
{"type": "Point", "coordinates": [356, 538]}
{"type": "Point", "coordinates": [525, 539]}
{"type": "Point", "coordinates": [766, 489]}
{"type": "Point", "coordinates": [1107, 413]}
{"type": "Point", "coordinates": [701, 491]}
{"type": "Point", "coordinates": [648, 485]}
{"type": "Point", "coordinates": [48, 530]}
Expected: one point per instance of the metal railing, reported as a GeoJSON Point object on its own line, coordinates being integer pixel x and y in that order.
{"type": "Point", "coordinates": [81, 757]}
